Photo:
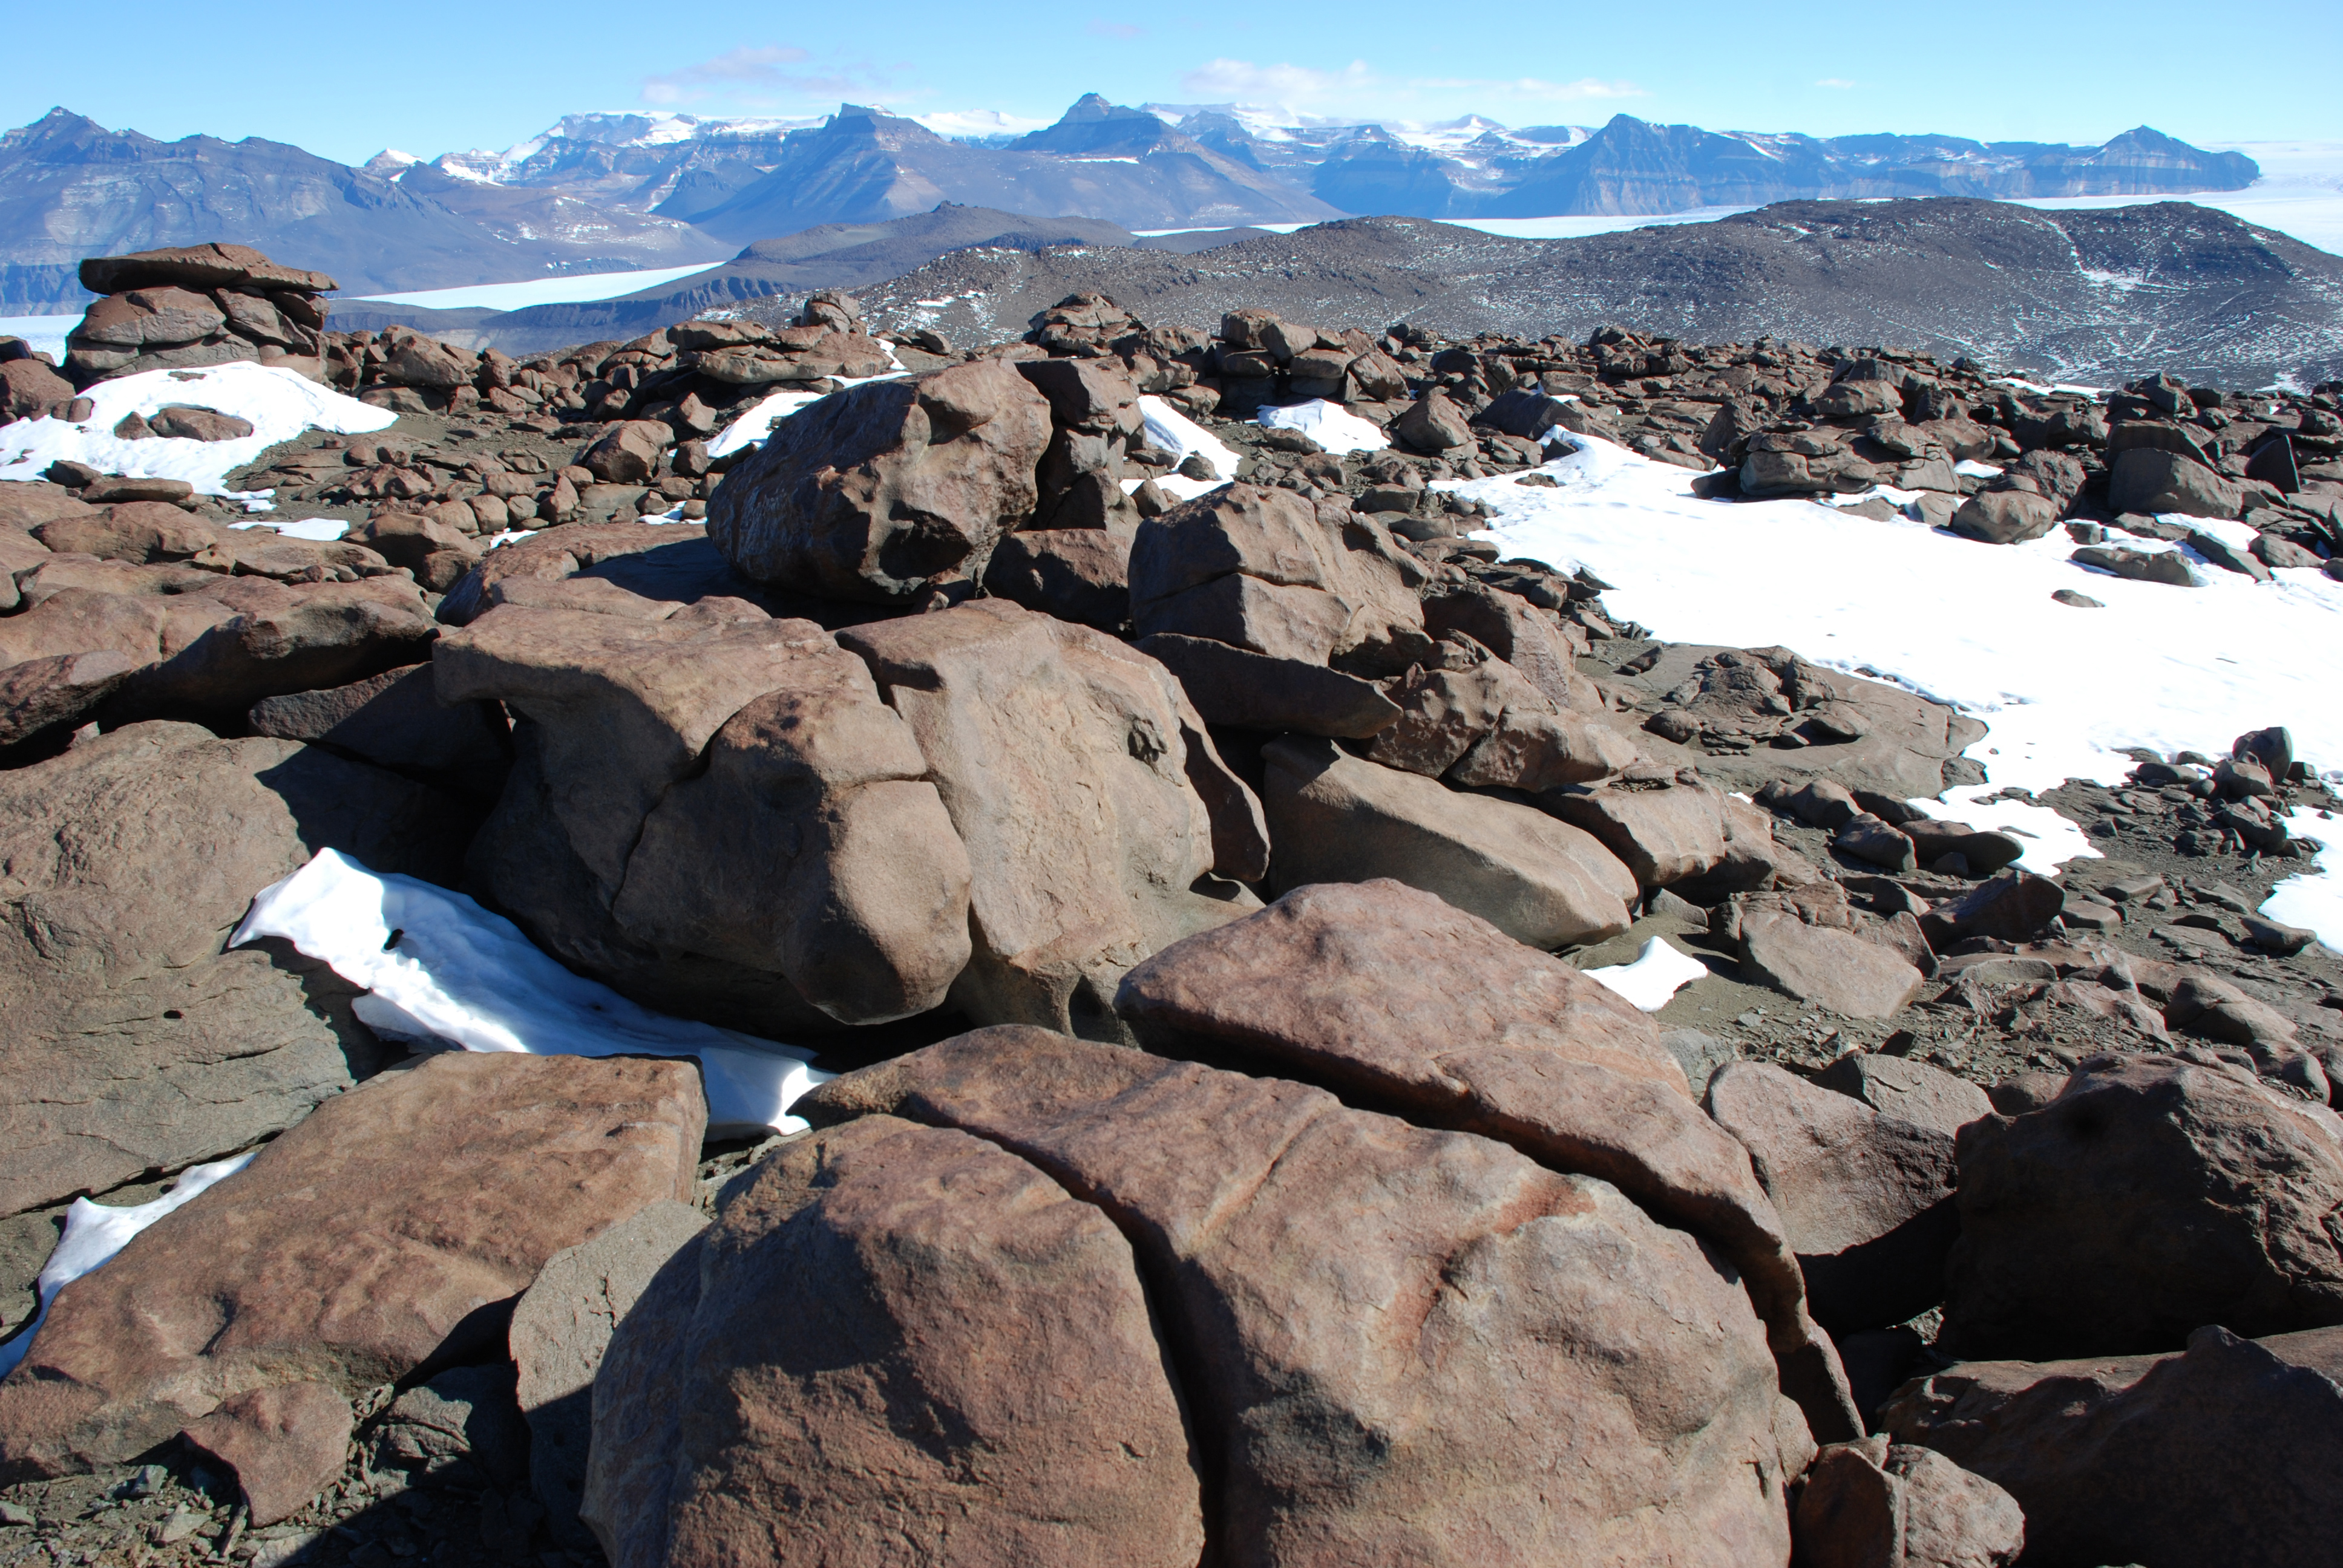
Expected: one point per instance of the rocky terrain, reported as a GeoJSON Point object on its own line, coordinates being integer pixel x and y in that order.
{"type": "Point", "coordinates": [2096, 296]}
{"type": "Point", "coordinates": [1348, 1048]}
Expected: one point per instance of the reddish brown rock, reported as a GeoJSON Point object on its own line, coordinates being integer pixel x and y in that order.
{"type": "Point", "coordinates": [285, 1443]}
{"type": "Point", "coordinates": [1864, 1199]}
{"type": "Point", "coordinates": [1344, 1294]}
{"type": "Point", "coordinates": [2225, 1453]}
{"type": "Point", "coordinates": [1075, 573]}
{"type": "Point", "coordinates": [1065, 760]}
{"type": "Point", "coordinates": [1666, 827]}
{"type": "Point", "coordinates": [136, 531]}
{"type": "Point", "coordinates": [1263, 569]}
{"type": "Point", "coordinates": [383, 1231]}
{"type": "Point", "coordinates": [1908, 1090]}
{"type": "Point", "coordinates": [133, 1044]}
{"type": "Point", "coordinates": [1480, 1032]}
{"type": "Point", "coordinates": [42, 693]}
{"type": "Point", "coordinates": [904, 1344]}
{"type": "Point", "coordinates": [1871, 1504]}
{"type": "Point", "coordinates": [553, 556]}
{"type": "Point", "coordinates": [2151, 1197]}
{"type": "Point", "coordinates": [881, 492]}
{"type": "Point", "coordinates": [1487, 726]}
{"type": "Point", "coordinates": [31, 389]}
{"type": "Point", "coordinates": [717, 790]}
{"type": "Point", "coordinates": [1336, 818]}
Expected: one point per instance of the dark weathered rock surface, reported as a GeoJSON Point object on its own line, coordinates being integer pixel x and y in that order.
{"type": "Point", "coordinates": [383, 1230]}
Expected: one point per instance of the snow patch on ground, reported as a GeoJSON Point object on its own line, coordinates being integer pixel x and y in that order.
{"type": "Point", "coordinates": [1659, 971]}
{"type": "Point", "coordinates": [280, 403]}
{"type": "Point", "coordinates": [442, 970]}
{"type": "Point", "coordinates": [579, 289]}
{"type": "Point", "coordinates": [751, 428]}
{"type": "Point", "coordinates": [323, 530]}
{"type": "Point", "coordinates": [2314, 899]}
{"type": "Point", "coordinates": [1332, 427]}
{"type": "Point", "coordinates": [1169, 430]}
{"type": "Point", "coordinates": [95, 1232]}
{"type": "Point", "coordinates": [2064, 691]}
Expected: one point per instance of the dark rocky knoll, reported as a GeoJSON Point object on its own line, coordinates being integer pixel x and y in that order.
{"type": "Point", "coordinates": [2096, 294]}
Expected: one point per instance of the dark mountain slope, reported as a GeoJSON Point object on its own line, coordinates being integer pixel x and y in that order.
{"type": "Point", "coordinates": [2089, 294]}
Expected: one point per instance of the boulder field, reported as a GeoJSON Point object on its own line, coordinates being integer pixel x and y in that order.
{"type": "Point", "coordinates": [1208, 879]}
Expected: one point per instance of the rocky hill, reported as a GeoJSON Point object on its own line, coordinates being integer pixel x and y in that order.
{"type": "Point", "coordinates": [2101, 294]}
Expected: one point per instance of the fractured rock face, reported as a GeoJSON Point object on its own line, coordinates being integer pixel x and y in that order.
{"type": "Point", "coordinates": [1338, 1291]}
{"type": "Point", "coordinates": [1866, 1198]}
{"type": "Point", "coordinates": [2203, 1456]}
{"type": "Point", "coordinates": [1336, 818]}
{"type": "Point", "coordinates": [1066, 763]}
{"type": "Point", "coordinates": [897, 1338]}
{"type": "Point", "coordinates": [1877, 1504]}
{"type": "Point", "coordinates": [358, 1245]}
{"type": "Point", "coordinates": [2152, 1196]}
{"type": "Point", "coordinates": [881, 492]}
{"type": "Point", "coordinates": [1480, 1032]}
{"type": "Point", "coordinates": [1263, 569]}
{"type": "Point", "coordinates": [133, 1043]}
{"type": "Point", "coordinates": [734, 794]}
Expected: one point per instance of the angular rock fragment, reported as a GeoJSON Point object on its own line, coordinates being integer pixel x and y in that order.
{"type": "Point", "coordinates": [1866, 1199]}
{"type": "Point", "coordinates": [1874, 1504]}
{"type": "Point", "coordinates": [380, 1233]}
{"type": "Point", "coordinates": [1335, 818]}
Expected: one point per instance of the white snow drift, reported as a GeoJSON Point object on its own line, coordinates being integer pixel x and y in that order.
{"type": "Point", "coordinates": [1659, 971]}
{"type": "Point", "coordinates": [442, 970]}
{"type": "Point", "coordinates": [280, 403]}
{"type": "Point", "coordinates": [1332, 427]}
{"type": "Point", "coordinates": [2063, 690]}
{"type": "Point", "coordinates": [95, 1232]}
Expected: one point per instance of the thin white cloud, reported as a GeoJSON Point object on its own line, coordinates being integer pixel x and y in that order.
{"type": "Point", "coordinates": [1531, 87]}
{"type": "Point", "coordinates": [757, 75]}
{"type": "Point", "coordinates": [1839, 82]}
{"type": "Point", "coordinates": [1241, 81]}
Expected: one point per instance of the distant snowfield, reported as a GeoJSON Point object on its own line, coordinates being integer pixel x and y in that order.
{"type": "Point", "coordinates": [579, 289]}
{"type": "Point", "coordinates": [46, 334]}
{"type": "Point", "coordinates": [2062, 690]}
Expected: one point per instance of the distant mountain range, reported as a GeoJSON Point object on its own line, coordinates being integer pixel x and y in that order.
{"type": "Point", "coordinates": [71, 188]}
{"type": "Point", "coordinates": [617, 191]}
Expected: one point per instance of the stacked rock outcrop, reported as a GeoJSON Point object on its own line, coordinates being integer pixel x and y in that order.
{"type": "Point", "coordinates": [196, 305]}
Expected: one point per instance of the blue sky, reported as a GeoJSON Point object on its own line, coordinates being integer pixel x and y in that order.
{"type": "Point", "coordinates": [429, 76]}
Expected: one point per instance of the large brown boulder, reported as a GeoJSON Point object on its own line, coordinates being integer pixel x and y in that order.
{"type": "Point", "coordinates": [898, 1344]}
{"type": "Point", "coordinates": [882, 492]}
{"type": "Point", "coordinates": [1866, 1199]}
{"type": "Point", "coordinates": [133, 1043]}
{"type": "Point", "coordinates": [1267, 570]}
{"type": "Point", "coordinates": [2227, 1452]}
{"type": "Point", "coordinates": [198, 267]}
{"type": "Point", "coordinates": [1479, 1032]}
{"type": "Point", "coordinates": [1345, 1295]}
{"type": "Point", "coordinates": [1336, 818]}
{"type": "Point", "coordinates": [1093, 807]}
{"type": "Point", "coordinates": [385, 1231]}
{"type": "Point", "coordinates": [1095, 408]}
{"type": "Point", "coordinates": [557, 555]}
{"type": "Point", "coordinates": [1486, 726]}
{"type": "Point", "coordinates": [204, 643]}
{"type": "Point", "coordinates": [31, 389]}
{"type": "Point", "coordinates": [2152, 1196]}
{"type": "Point", "coordinates": [728, 794]}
